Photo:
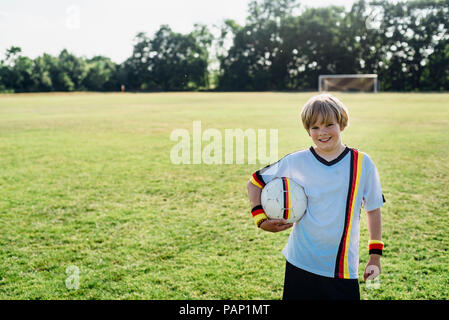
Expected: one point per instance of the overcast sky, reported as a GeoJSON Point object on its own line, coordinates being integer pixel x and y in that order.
{"type": "Point", "coordinates": [107, 27]}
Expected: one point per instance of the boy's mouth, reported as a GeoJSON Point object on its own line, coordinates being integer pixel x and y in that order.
{"type": "Point", "coordinates": [324, 140]}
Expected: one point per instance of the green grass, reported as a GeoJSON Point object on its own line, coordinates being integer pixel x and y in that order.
{"type": "Point", "coordinates": [86, 180]}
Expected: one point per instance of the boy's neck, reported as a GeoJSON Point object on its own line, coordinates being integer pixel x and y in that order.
{"type": "Point", "coordinates": [330, 155]}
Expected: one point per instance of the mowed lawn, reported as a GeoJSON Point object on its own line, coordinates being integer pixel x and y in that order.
{"type": "Point", "coordinates": [92, 207]}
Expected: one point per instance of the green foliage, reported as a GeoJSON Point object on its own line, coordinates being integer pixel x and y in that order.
{"type": "Point", "coordinates": [281, 46]}
{"type": "Point", "coordinates": [101, 74]}
{"type": "Point", "coordinates": [412, 33]}
{"type": "Point", "coordinates": [278, 49]}
{"type": "Point", "coordinates": [42, 73]}
{"type": "Point", "coordinates": [169, 61]}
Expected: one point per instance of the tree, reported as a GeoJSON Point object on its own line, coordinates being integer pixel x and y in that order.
{"type": "Point", "coordinates": [410, 33]}
{"type": "Point", "coordinates": [278, 50]}
{"type": "Point", "coordinates": [71, 72]}
{"type": "Point", "coordinates": [42, 72]}
{"type": "Point", "coordinates": [317, 44]}
{"type": "Point", "coordinates": [435, 75]}
{"type": "Point", "coordinates": [17, 71]}
{"type": "Point", "coordinates": [169, 61]}
{"type": "Point", "coordinates": [7, 76]}
{"type": "Point", "coordinates": [258, 58]}
{"type": "Point", "coordinates": [101, 74]}
{"type": "Point", "coordinates": [135, 70]}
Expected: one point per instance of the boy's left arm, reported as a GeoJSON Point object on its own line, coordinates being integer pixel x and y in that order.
{"type": "Point", "coordinates": [375, 235]}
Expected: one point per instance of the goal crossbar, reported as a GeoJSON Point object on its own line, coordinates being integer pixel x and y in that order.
{"type": "Point", "coordinates": [347, 78]}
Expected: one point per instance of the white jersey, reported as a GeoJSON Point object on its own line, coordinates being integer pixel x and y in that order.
{"type": "Point", "coordinates": [326, 240]}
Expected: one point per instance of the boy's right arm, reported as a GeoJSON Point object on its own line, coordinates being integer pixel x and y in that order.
{"type": "Point", "coordinates": [272, 225]}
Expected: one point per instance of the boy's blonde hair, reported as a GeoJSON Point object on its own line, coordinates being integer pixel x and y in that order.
{"type": "Point", "coordinates": [327, 106]}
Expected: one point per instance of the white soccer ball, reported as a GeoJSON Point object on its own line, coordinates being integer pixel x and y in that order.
{"type": "Point", "coordinates": [282, 198]}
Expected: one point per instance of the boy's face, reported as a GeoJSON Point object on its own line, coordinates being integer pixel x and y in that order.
{"type": "Point", "coordinates": [326, 135]}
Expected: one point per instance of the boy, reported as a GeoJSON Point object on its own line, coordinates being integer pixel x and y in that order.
{"type": "Point", "coordinates": [322, 249]}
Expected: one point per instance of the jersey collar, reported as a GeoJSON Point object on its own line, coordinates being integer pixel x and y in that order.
{"type": "Point", "coordinates": [329, 163]}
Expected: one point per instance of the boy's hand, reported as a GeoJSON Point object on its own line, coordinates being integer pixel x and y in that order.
{"type": "Point", "coordinates": [373, 268]}
{"type": "Point", "coordinates": [275, 225]}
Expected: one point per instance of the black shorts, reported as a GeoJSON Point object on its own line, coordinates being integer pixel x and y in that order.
{"type": "Point", "coordinates": [302, 285]}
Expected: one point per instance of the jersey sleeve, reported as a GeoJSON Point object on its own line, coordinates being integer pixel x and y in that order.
{"type": "Point", "coordinates": [261, 177]}
{"type": "Point", "coordinates": [372, 193]}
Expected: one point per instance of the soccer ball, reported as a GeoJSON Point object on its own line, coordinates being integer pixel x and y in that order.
{"type": "Point", "coordinates": [282, 198]}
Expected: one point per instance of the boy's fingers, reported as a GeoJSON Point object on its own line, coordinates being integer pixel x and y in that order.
{"type": "Point", "coordinates": [277, 221]}
{"type": "Point", "coordinates": [275, 225]}
{"type": "Point", "coordinates": [285, 226]}
{"type": "Point", "coordinates": [283, 222]}
{"type": "Point", "coordinates": [365, 275]}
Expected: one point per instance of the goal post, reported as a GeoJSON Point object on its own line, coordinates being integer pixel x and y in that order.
{"type": "Point", "coordinates": [348, 82]}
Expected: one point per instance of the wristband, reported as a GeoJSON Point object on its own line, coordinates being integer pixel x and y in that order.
{"type": "Point", "coordinates": [375, 247]}
{"type": "Point", "coordinates": [259, 215]}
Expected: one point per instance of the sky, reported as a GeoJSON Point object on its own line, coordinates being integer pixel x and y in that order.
{"type": "Point", "coordinates": [108, 27]}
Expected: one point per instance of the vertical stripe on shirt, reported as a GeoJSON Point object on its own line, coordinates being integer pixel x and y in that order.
{"type": "Point", "coordinates": [287, 200]}
{"type": "Point", "coordinates": [342, 261]}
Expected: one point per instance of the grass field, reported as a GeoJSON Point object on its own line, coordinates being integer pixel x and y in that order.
{"type": "Point", "coordinates": [86, 181]}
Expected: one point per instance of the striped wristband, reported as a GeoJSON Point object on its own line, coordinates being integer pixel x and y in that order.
{"type": "Point", "coordinates": [259, 215]}
{"type": "Point", "coordinates": [375, 247]}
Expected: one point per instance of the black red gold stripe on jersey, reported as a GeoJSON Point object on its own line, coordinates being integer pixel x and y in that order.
{"type": "Point", "coordinates": [256, 179]}
{"type": "Point", "coordinates": [287, 198]}
{"type": "Point", "coordinates": [342, 261]}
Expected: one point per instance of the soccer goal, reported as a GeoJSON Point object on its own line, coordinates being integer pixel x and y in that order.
{"type": "Point", "coordinates": [348, 82]}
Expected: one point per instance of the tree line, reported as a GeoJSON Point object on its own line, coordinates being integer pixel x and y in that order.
{"type": "Point", "coordinates": [281, 46]}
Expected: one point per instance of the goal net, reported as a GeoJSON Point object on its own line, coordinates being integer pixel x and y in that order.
{"type": "Point", "coordinates": [348, 82]}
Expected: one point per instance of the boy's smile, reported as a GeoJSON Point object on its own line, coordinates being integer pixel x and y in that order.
{"type": "Point", "coordinates": [324, 140]}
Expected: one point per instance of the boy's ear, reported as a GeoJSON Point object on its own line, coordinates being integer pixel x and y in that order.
{"type": "Point", "coordinates": [342, 128]}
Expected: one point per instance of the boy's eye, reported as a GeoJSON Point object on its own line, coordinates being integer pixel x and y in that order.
{"type": "Point", "coordinates": [330, 124]}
